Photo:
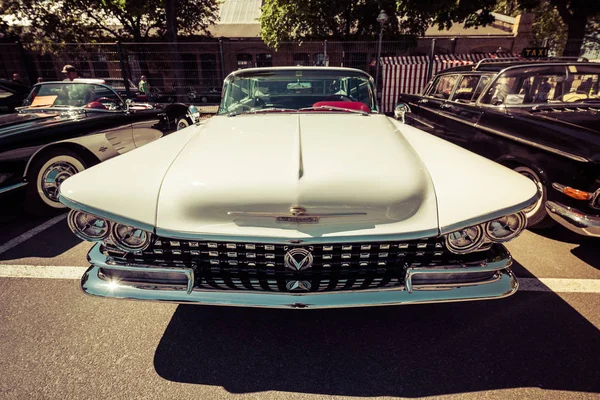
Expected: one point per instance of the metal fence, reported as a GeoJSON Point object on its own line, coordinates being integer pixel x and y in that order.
{"type": "Point", "coordinates": [179, 68]}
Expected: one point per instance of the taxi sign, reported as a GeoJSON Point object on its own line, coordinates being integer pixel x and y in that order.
{"type": "Point", "coordinates": [534, 52]}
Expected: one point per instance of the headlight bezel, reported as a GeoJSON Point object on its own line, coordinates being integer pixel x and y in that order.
{"type": "Point", "coordinates": [73, 224]}
{"type": "Point", "coordinates": [122, 245]}
{"type": "Point", "coordinates": [522, 219]}
{"type": "Point", "coordinates": [110, 234]}
{"type": "Point", "coordinates": [487, 238]}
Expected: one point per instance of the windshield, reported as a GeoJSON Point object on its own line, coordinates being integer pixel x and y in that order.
{"type": "Point", "coordinates": [67, 94]}
{"type": "Point", "coordinates": [296, 89]}
{"type": "Point", "coordinates": [546, 85]}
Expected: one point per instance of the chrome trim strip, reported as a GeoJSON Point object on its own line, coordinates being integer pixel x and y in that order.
{"type": "Point", "coordinates": [490, 216]}
{"type": "Point", "coordinates": [166, 233]}
{"type": "Point", "coordinates": [104, 214]}
{"type": "Point", "coordinates": [573, 219]}
{"type": "Point", "coordinates": [275, 215]}
{"type": "Point", "coordinates": [504, 286]}
{"type": "Point", "coordinates": [12, 187]}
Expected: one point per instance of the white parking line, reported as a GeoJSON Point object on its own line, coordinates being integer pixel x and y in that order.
{"type": "Point", "coordinates": [30, 233]}
{"type": "Point", "coordinates": [40, 271]}
{"type": "Point", "coordinates": [557, 285]}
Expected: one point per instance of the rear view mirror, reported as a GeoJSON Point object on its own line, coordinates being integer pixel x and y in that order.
{"type": "Point", "coordinates": [400, 112]}
{"type": "Point", "coordinates": [194, 114]}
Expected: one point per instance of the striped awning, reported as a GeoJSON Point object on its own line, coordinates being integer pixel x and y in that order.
{"type": "Point", "coordinates": [408, 74]}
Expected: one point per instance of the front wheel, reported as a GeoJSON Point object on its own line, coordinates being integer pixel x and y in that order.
{"type": "Point", "coordinates": [182, 123]}
{"type": "Point", "coordinates": [537, 216]}
{"type": "Point", "coordinates": [45, 177]}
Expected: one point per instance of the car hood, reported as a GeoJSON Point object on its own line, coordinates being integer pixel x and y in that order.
{"type": "Point", "coordinates": [356, 172]}
{"type": "Point", "coordinates": [234, 176]}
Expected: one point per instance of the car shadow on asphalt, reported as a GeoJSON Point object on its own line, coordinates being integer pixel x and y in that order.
{"type": "Point", "coordinates": [587, 247]}
{"type": "Point", "coordinates": [51, 242]}
{"type": "Point", "coordinates": [532, 339]}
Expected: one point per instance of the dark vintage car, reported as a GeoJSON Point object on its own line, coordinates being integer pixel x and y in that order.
{"type": "Point", "coordinates": [540, 118]}
{"type": "Point", "coordinates": [12, 95]}
{"type": "Point", "coordinates": [66, 127]}
{"type": "Point", "coordinates": [205, 95]}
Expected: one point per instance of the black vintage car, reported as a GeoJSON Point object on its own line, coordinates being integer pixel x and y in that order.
{"type": "Point", "coordinates": [66, 127]}
{"type": "Point", "coordinates": [540, 118]}
{"type": "Point", "coordinates": [12, 95]}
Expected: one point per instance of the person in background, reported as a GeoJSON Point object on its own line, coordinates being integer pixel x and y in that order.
{"type": "Point", "coordinates": [40, 79]}
{"type": "Point", "coordinates": [70, 71]}
{"type": "Point", "coordinates": [144, 86]}
{"type": "Point", "coordinates": [16, 78]}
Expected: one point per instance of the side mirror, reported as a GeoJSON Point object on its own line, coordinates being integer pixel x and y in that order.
{"type": "Point", "coordinates": [400, 112]}
{"type": "Point", "coordinates": [194, 114]}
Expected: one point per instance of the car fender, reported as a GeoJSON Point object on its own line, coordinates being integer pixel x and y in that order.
{"type": "Point", "coordinates": [511, 161]}
{"type": "Point", "coordinates": [96, 144]}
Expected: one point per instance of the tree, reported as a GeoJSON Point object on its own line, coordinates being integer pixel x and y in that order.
{"type": "Point", "coordinates": [285, 20]}
{"type": "Point", "coordinates": [551, 27]}
{"type": "Point", "coordinates": [98, 20]}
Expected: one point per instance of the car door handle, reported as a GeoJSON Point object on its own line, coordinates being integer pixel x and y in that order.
{"type": "Point", "coordinates": [423, 101]}
{"type": "Point", "coordinates": [444, 105]}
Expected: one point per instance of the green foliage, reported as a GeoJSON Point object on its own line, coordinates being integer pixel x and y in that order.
{"type": "Point", "coordinates": [64, 21]}
{"type": "Point", "coordinates": [286, 20]}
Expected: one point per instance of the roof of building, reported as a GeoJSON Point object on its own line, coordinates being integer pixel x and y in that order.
{"type": "Point", "coordinates": [239, 19]}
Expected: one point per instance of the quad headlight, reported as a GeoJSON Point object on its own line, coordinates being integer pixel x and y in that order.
{"type": "Point", "coordinates": [87, 226]}
{"type": "Point", "coordinates": [130, 239]}
{"type": "Point", "coordinates": [465, 240]}
{"type": "Point", "coordinates": [95, 229]}
{"type": "Point", "coordinates": [480, 237]}
{"type": "Point", "coordinates": [505, 228]}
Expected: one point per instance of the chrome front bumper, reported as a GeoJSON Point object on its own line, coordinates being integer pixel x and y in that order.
{"type": "Point", "coordinates": [503, 284]}
{"type": "Point", "coordinates": [573, 219]}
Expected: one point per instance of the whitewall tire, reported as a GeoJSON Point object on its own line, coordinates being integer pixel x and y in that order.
{"type": "Point", "coordinates": [182, 123]}
{"type": "Point", "coordinates": [45, 177]}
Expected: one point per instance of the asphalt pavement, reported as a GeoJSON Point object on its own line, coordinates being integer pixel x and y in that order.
{"type": "Point", "coordinates": [58, 343]}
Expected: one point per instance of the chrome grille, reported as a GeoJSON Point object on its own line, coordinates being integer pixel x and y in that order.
{"type": "Point", "coordinates": [257, 266]}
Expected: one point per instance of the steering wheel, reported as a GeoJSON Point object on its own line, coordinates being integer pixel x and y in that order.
{"type": "Point", "coordinates": [113, 104]}
{"type": "Point", "coordinates": [242, 108]}
{"type": "Point", "coordinates": [339, 97]}
{"type": "Point", "coordinates": [574, 95]}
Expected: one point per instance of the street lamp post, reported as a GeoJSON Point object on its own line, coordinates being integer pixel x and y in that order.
{"type": "Point", "coordinates": [382, 19]}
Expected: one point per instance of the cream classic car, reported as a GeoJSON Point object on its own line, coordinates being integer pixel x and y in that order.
{"type": "Point", "coordinates": [299, 194]}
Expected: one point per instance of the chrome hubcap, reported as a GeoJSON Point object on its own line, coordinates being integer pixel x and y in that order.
{"type": "Point", "coordinates": [54, 176]}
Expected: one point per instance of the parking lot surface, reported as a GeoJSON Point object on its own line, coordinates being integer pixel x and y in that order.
{"type": "Point", "coordinates": [55, 342]}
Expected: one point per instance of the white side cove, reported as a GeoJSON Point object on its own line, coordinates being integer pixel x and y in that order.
{"type": "Point", "coordinates": [327, 163]}
{"type": "Point", "coordinates": [127, 186]}
{"type": "Point", "coordinates": [469, 188]}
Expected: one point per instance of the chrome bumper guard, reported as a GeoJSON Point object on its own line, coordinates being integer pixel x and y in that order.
{"type": "Point", "coordinates": [573, 219]}
{"type": "Point", "coordinates": [502, 284]}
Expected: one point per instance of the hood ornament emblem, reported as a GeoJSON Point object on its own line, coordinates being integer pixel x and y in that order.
{"type": "Point", "coordinates": [298, 259]}
{"type": "Point", "coordinates": [298, 286]}
{"type": "Point", "coordinates": [298, 215]}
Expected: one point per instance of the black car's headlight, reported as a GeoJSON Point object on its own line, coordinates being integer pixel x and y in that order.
{"type": "Point", "coordinates": [95, 229]}
{"type": "Point", "coordinates": [480, 237]}
{"type": "Point", "coordinates": [87, 226]}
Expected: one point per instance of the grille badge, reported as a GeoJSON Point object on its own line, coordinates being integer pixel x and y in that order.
{"type": "Point", "coordinates": [298, 259]}
{"type": "Point", "coordinates": [298, 286]}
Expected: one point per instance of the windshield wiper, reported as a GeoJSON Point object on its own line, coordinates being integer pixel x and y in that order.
{"type": "Point", "coordinates": [333, 108]}
{"type": "Point", "coordinates": [261, 110]}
